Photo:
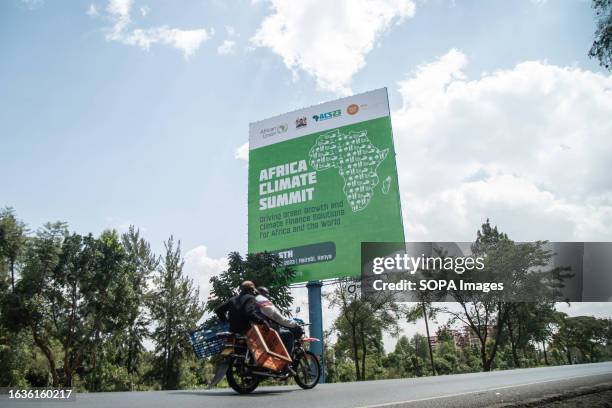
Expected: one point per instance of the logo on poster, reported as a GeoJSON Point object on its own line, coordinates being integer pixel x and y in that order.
{"type": "Point", "coordinates": [301, 122]}
{"type": "Point", "coordinates": [352, 109]}
{"type": "Point", "coordinates": [275, 130]}
{"type": "Point", "coordinates": [327, 115]}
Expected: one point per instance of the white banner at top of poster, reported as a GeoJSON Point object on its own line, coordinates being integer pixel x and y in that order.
{"type": "Point", "coordinates": [319, 118]}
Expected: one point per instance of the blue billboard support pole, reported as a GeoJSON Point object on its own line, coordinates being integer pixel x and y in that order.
{"type": "Point", "coordinates": [315, 315]}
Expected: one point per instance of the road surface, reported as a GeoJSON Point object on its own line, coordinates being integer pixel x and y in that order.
{"type": "Point", "coordinates": [467, 390]}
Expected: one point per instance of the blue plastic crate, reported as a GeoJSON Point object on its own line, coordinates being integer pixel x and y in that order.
{"type": "Point", "coordinates": [206, 342]}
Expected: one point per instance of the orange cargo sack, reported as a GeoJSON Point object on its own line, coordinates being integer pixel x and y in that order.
{"type": "Point", "coordinates": [267, 348]}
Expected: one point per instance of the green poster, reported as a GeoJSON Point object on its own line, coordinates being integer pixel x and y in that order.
{"type": "Point", "coordinates": [321, 181]}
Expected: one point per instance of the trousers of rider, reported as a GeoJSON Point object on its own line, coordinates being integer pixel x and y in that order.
{"type": "Point", "coordinates": [287, 338]}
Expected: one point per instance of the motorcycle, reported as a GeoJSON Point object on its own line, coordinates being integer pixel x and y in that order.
{"type": "Point", "coordinates": [243, 374]}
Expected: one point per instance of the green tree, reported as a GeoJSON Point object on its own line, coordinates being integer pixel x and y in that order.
{"type": "Point", "coordinates": [77, 315]}
{"type": "Point", "coordinates": [528, 323]}
{"type": "Point", "coordinates": [264, 269]}
{"type": "Point", "coordinates": [18, 365]}
{"type": "Point", "coordinates": [424, 309]}
{"type": "Point", "coordinates": [421, 355]}
{"type": "Point", "coordinates": [12, 240]}
{"type": "Point", "coordinates": [547, 320]}
{"type": "Point", "coordinates": [140, 263]}
{"type": "Point", "coordinates": [585, 334]}
{"type": "Point", "coordinates": [518, 267]}
{"type": "Point", "coordinates": [482, 311]}
{"type": "Point", "coordinates": [602, 44]}
{"type": "Point", "coordinates": [29, 307]}
{"type": "Point", "coordinates": [564, 338]}
{"type": "Point", "coordinates": [400, 362]}
{"type": "Point", "coordinates": [175, 307]}
{"type": "Point", "coordinates": [329, 358]}
{"type": "Point", "coordinates": [362, 321]}
{"type": "Point", "coordinates": [446, 356]}
{"type": "Point", "coordinates": [71, 293]}
{"type": "Point", "coordinates": [111, 293]}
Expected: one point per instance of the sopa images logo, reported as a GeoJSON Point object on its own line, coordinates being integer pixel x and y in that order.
{"type": "Point", "coordinates": [327, 115]}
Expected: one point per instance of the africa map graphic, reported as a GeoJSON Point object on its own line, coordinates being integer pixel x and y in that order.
{"type": "Point", "coordinates": [356, 159]}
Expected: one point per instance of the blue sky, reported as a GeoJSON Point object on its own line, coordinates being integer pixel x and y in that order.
{"type": "Point", "coordinates": [136, 112]}
{"type": "Point", "coordinates": [101, 134]}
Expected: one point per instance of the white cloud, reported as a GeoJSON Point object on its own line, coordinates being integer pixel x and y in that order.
{"type": "Point", "coordinates": [144, 10]}
{"type": "Point", "coordinates": [528, 147]}
{"type": "Point", "coordinates": [231, 31]}
{"type": "Point", "coordinates": [200, 267]}
{"type": "Point", "coordinates": [226, 48]}
{"type": "Point", "coordinates": [188, 41]}
{"type": "Point", "coordinates": [328, 40]}
{"type": "Point", "coordinates": [242, 152]}
{"type": "Point", "coordinates": [119, 11]}
{"type": "Point", "coordinates": [92, 11]}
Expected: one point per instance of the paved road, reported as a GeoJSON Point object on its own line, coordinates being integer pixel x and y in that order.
{"type": "Point", "coordinates": [468, 390]}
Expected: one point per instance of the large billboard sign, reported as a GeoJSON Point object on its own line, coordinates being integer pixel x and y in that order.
{"type": "Point", "coordinates": [321, 181]}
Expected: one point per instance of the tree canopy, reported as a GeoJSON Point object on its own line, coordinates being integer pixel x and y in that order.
{"type": "Point", "coordinates": [602, 44]}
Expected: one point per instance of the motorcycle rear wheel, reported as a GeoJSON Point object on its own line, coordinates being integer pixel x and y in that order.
{"type": "Point", "coordinates": [308, 370]}
{"type": "Point", "coordinates": [240, 384]}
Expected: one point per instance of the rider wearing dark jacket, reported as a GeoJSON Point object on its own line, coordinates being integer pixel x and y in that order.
{"type": "Point", "coordinates": [240, 310]}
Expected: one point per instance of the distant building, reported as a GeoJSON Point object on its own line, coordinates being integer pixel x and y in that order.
{"type": "Point", "coordinates": [462, 338]}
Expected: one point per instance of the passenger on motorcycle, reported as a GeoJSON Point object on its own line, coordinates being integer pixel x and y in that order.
{"type": "Point", "coordinates": [287, 329]}
{"type": "Point", "coordinates": [241, 310]}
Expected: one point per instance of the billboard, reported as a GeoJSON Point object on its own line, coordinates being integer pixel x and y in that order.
{"type": "Point", "coordinates": [322, 180]}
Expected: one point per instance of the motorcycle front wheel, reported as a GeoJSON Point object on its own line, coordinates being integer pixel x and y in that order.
{"type": "Point", "coordinates": [307, 370]}
{"type": "Point", "coordinates": [239, 382]}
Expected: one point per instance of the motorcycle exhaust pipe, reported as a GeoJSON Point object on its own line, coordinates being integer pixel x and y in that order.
{"type": "Point", "coordinates": [271, 375]}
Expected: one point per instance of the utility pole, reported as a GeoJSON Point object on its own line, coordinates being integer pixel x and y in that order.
{"type": "Point", "coordinates": [315, 315]}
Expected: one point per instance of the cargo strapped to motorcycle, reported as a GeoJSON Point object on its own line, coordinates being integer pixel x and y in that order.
{"type": "Point", "coordinates": [208, 341]}
{"type": "Point", "coordinates": [267, 348]}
